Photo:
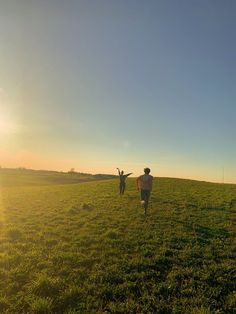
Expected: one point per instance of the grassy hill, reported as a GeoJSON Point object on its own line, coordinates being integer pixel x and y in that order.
{"type": "Point", "coordinates": [22, 177]}
{"type": "Point", "coordinates": [81, 248]}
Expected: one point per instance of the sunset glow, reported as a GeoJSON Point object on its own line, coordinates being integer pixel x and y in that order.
{"type": "Point", "coordinates": [105, 84]}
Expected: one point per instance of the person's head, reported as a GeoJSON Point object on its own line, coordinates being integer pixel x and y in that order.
{"type": "Point", "coordinates": [147, 170]}
{"type": "Point", "coordinates": [122, 172]}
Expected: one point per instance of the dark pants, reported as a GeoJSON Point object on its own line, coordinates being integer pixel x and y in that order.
{"type": "Point", "coordinates": [145, 195]}
{"type": "Point", "coordinates": [122, 188]}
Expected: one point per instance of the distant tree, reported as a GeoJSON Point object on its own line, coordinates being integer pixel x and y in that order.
{"type": "Point", "coordinates": [72, 171]}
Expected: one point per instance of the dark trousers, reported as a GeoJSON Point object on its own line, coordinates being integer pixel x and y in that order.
{"type": "Point", "coordinates": [145, 195]}
{"type": "Point", "coordinates": [122, 188]}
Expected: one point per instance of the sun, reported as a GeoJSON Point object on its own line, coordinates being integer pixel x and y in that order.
{"type": "Point", "coordinates": [7, 125]}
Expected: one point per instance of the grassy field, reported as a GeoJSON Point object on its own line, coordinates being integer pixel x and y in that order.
{"type": "Point", "coordinates": [24, 177]}
{"type": "Point", "coordinates": [80, 248]}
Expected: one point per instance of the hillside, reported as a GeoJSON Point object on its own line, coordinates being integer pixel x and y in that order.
{"type": "Point", "coordinates": [22, 177]}
{"type": "Point", "coordinates": [81, 248]}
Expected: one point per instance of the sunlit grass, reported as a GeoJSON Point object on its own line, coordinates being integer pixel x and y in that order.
{"type": "Point", "coordinates": [81, 248]}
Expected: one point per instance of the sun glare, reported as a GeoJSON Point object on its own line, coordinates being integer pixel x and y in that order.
{"type": "Point", "coordinates": [7, 125]}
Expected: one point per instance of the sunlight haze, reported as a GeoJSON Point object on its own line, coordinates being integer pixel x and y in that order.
{"type": "Point", "coordinates": [95, 85]}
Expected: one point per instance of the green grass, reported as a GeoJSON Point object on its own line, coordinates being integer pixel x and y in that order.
{"type": "Point", "coordinates": [23, 177]}
{"type": "Point", "coordinates": [80, 248]}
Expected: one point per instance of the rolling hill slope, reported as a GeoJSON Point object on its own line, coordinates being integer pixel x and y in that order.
{"type": "Point", "coordinates": [81, 248]}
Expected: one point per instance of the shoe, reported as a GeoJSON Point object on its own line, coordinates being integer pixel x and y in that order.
{"type": "Point", "coordinates": [142, 202]}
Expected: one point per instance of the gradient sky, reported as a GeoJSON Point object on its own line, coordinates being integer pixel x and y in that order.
{"type": "Point", "coordinates": [102, 84]}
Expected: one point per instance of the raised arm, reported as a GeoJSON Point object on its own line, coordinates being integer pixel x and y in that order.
{"type": "Point", "coordinates": [128, 174]}
{"type": "Point", "coordinates": [118, 171]}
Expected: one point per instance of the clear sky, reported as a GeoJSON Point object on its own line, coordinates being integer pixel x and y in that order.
{"type": "Point", "coordinates": [100, 84]}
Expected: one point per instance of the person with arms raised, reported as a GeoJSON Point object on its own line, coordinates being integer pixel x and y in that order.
{"type": "Point", "coordinates": [122, 180]}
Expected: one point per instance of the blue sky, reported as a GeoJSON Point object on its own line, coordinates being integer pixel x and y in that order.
{"type": "Point", "coordinates": [97, 85]}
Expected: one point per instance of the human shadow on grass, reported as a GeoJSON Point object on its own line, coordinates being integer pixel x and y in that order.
{"type": "Point", "coordinates": [206, 234]}
{"type": "Point", "coordinates": [156, 269]}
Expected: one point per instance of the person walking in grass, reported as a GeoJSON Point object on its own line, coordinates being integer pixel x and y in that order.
{"type": "Point", "coordinates": [144, 185]}
{"type": "Point", "coordinates": [122, 180]}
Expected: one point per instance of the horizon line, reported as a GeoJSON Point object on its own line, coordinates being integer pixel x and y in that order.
{"type": "Point", "coordinates": [94, 174]}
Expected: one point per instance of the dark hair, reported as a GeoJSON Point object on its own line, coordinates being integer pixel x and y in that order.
{"type": "Point", "coordinates": [147, 170]}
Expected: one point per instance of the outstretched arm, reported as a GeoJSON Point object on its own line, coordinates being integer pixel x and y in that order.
{"type": "Point", "coordinates": [128, 174]}
{"type": "Point", "coordinates": [118, 171]}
